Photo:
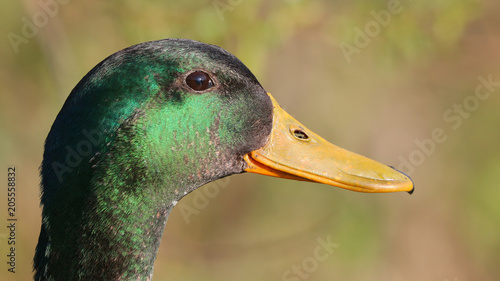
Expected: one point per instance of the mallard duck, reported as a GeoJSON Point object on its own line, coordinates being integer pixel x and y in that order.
{"type": "Point", "coordinates": [148, 125]}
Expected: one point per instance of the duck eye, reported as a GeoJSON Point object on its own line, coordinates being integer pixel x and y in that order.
{"type": "Point", "coordinates": [199, 81]}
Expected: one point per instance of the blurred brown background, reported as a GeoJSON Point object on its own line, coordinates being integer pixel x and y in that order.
{"type": "Point", "coordinates": [375, 85]}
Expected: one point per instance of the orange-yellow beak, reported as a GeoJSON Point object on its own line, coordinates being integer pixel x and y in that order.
{"type": "Point", "coordinates": [294, 152]}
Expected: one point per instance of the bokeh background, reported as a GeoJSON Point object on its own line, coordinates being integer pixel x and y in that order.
{"type": "Point", "coordinates": [415, 73]}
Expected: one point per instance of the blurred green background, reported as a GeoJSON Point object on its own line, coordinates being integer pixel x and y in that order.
{"type": "Point", "coordinates": [379, 88]}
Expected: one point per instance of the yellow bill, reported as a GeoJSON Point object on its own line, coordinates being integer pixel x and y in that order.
{"type": "Point", "coordinates": [294, 152]}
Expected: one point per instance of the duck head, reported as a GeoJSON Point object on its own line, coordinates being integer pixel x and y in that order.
{"type": "Point", "coordinates": [150, 124]}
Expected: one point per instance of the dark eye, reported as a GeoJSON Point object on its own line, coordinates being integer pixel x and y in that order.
{"type": "Point", "coordinates": [199, 81]}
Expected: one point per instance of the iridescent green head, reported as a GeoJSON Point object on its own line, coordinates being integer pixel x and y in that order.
{"type": "Point", "coordinates": [180, 104]}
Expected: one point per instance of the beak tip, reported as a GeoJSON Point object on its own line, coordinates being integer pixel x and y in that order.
{"type": "Point", "coordinates": [411, 191]}
{"type": "Point", "coordinates": [409, 178]}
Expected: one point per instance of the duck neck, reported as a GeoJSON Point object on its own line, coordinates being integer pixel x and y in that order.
{"type": "Point", "coordinates": [111, 233]}
{"type": "Point", "coordinates": [104, 219]}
